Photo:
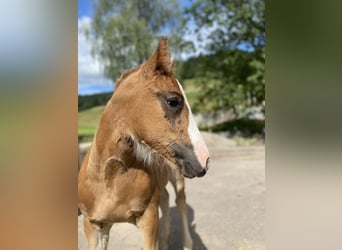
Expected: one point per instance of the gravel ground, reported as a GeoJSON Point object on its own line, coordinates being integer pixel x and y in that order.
{"type": "Point", "coordinates": [226, 208]}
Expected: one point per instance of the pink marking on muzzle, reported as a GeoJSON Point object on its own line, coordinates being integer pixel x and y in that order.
{"type": "Point", "coordinates": [202, 154]}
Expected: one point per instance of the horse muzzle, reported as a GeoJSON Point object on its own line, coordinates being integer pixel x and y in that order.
{"type": "Point", "coordinates": [188, 161]}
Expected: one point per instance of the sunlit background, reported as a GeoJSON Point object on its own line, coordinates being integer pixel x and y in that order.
{"type": "Point", "coordinates": [39, 135]}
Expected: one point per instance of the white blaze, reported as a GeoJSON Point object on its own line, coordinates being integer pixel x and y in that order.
{"type": "Point", "coordinates": [196, 138]}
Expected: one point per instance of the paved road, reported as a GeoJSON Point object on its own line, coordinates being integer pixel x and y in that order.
{"type": "Point", "coordinates": [226, 207]}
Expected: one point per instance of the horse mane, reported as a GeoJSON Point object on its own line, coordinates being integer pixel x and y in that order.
{"type": "Point", "coordinates": [151, 159]}
{"type": "Point", "coordinates": [125, 74]}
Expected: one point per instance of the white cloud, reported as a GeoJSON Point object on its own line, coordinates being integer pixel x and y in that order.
{"type": "Point", "coordinates": [192, 35]}
{"type": "Point", "coordinates": [90, 70]}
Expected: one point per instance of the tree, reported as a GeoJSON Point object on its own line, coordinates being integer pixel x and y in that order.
{"type": "Point", "coordinates": [124, 33]}
{"type": "Point", "coordinates": [233, 76]}
{"type": "Point", "coordinates": [231, 23]}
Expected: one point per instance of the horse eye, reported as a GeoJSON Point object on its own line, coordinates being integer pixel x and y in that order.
{"type": "Point", "coordinates": [173, 103]}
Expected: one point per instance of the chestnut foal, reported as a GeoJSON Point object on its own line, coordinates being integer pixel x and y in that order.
{"type": "Point", "coordinates": [146, 136]}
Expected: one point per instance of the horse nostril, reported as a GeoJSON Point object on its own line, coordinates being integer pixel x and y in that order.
{"type": "Point", "coordinates": [207, 164]}
{"type": "Point", "coordinates": [202, 173]}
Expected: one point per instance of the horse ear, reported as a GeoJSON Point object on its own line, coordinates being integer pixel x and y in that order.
{"type": "Point", "coordinates": [160, 61]}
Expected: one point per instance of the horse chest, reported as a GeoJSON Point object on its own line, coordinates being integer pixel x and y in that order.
{"type": "Point", "coordinates": [128, 196]}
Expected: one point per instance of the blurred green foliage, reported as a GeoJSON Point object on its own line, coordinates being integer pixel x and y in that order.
{"type": "Point", "coordinates": [231, 79]}
{"type": "Point", "coordinates": [124, 33]}
{"type": "Point", "coordinates": [242, 127]}
{"type": "Point", "coordinates": [229, 23]}
{"type": "Point", "coordinates": [89, 101]}
{"type": "Point", "coordinates": [232, 76]}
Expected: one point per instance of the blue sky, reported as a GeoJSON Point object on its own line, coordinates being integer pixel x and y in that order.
{"type": "Point", "coordinates": [91, 79]}
{"type": "Point", "coordinates": [84, 8]}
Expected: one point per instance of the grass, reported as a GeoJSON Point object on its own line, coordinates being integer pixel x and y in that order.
{"type": "Point", "coordinates": [86, 130]}
{"type": "Point", "coordinates": [90, 117]}
{"type": "Point", "coordinates": [88, 121]}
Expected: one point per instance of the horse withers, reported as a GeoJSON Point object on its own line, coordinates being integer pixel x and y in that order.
{"type": "Point", "coordinates": [146, 136]}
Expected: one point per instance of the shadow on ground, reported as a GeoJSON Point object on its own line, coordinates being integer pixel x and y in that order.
{"type": "Point", "coordinates": [176, 238]}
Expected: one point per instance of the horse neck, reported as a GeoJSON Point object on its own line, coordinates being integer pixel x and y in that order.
{"type": "Point", "coordinates": [115, 139]}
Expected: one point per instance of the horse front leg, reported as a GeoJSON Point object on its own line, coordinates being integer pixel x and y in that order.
{"type": "Point", "coordinates": [148, 224]}
{"type": "Point", "coordinates": [179, 186]}
{"type": "Point", "coordinates": [97, 234]}
{"type": "Point", "coordinates": [164, 221]}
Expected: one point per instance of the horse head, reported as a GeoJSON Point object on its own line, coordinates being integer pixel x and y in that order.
{"type": "Point", "coordinates": [152, 106]}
